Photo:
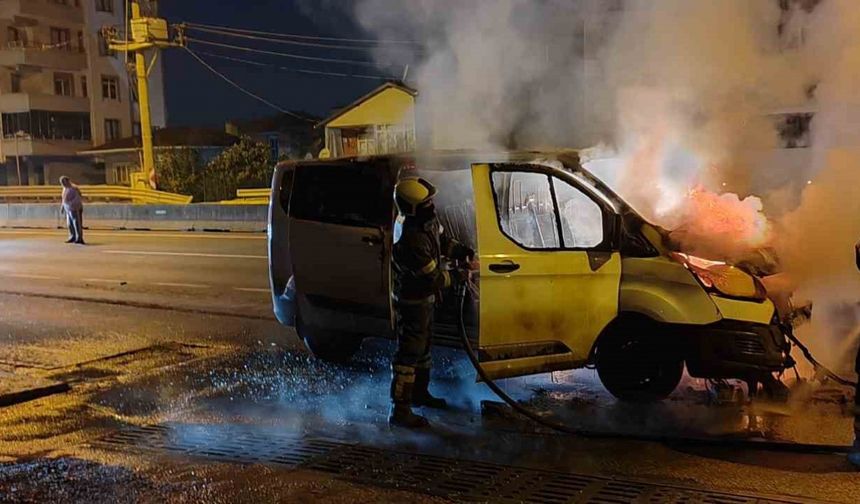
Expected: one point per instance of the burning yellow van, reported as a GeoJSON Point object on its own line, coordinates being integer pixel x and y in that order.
{"type": "Point", "coordinates": [570, 276]}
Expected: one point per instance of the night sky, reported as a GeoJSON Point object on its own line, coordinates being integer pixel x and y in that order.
{"type": "Point", "coordinates": [197, 97]}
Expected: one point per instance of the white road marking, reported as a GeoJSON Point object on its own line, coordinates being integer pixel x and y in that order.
{"type": "Point", "coordinates": [143, 234]}
{"type": "Point", "coordinates": [183, 254]}
{"type": "Point", "coordinates": [183, 285]}
{"type": "Point", "coordinates": [251, 289]}
{"type": "Point", "coordinates": [33, 277]}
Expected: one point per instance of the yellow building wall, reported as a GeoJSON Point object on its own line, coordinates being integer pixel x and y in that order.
{"type": "Point", "coordinates": [391, 106]}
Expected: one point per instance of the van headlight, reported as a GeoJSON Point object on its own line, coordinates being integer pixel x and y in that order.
{"type": "Point", "coordinates": [722, 279]}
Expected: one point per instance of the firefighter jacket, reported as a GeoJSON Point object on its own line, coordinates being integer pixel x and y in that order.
{"type": "Point", "coordinates": [418, 267]}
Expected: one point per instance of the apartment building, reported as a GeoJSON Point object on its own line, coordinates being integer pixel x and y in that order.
{"type": "Point", "coordinates": [62, 90]}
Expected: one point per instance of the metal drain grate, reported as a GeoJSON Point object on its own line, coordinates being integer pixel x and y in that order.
{"type": "Point", "coordinates": [223, 443]}
{"type": "Point", "coordinates": [461, 480]}
{"type": "Point", "coordinates": [466, 480]}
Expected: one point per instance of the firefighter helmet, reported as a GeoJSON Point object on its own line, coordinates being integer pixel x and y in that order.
{"type": "Point", "coordinates": [411, 193]}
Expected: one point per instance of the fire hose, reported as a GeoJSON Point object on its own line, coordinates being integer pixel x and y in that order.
{"type": "Point", "coordinates": [777, 446]}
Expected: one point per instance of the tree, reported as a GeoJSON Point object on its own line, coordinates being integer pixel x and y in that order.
{"type": "Point", "coordinates": [247, 164]}
{"type": "Point", "coordinates": [180, 171]}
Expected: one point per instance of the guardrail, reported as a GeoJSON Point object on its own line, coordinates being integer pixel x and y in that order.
{"type": "Point", "coordinates": [250, 197]}
{"type": "Point", "coordinates": [92, 193]}
{"type": "Point", "coordinates": [195, 217]}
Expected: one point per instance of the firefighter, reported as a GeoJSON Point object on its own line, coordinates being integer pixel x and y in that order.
{"type": "Point", "coordinates": [854, 455]}
{"type": "Point", "coordinates": [419, 278]}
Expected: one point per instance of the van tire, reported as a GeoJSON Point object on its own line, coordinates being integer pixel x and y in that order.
{"type": "Point", "coordinates": [331, 346]}
{"type": "Point", "coordinates": [637, 363]}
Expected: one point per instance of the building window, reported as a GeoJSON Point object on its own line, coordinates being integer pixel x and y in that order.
{"type": "Point", "coordinates": [394, 138]}
{"type": "Point", "coordinates": [113, 129]}
{"type": "Point", "coordinates": [81, 46]}
{"type": "Point", "coordinates": [274, 147]}
{"type": "Point", "coordinates": [104, 5]}
{"type": "Point", "coordinates": [15, 82]}
{"type": "Point", "coordinates": [793, 130]}
{"type": "Point", "coordinates": [104, 47]}
{"type": "Point", "coordinates": [49, 125]}
{"type": "Point", "coordinates": [135, 129]}
{"type": "Point", "coordinates": [13, 37]}
{"type": "Point", "coordinates": [110, 88]}
{"type": "Point", "coordinates": [64, 84]}
{"type": "Point", "coordinates": [61, 38]}
{"type": "Point", "coordinates": [85, 90]}
{"type": "Point", "coordinates": [120, 174]}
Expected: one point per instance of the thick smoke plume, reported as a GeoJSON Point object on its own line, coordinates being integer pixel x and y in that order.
{"type": "Point", "coordinates": [687, 101]}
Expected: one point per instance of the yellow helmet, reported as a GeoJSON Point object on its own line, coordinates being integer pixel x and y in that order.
{"type": "Point", "coordinates": [411, 193]}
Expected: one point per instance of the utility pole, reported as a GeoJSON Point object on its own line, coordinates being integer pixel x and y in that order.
{"type": "Point", "coordinates": [146, 33]}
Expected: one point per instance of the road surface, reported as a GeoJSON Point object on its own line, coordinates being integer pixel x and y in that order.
{"type": "Point", "coordinates": [147, 366]}
{"type": "Point", "coordinates": [215, 271]}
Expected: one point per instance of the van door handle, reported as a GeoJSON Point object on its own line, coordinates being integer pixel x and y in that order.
{"type": "Point", "coordinates": [372, 240]}
{"type": "Point", "coordinates": [504, 267]}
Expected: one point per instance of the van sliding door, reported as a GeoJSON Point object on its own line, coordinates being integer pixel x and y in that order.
{"type": "Point", "coordinates": [340, 232]}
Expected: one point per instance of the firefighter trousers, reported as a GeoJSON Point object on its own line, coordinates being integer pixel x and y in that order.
{"type": "Point", "coordinates": [414, 326]}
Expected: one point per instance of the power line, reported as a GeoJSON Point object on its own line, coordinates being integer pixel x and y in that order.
{"type": "Point", "coordinates": [306, 37]}
{"type": "Point", "coordinates": [288, 42]}
{"type": "Point", "coordinates": [289, 69]}
{"type": "Point", "coordinates": [240, 88]}
{"type": "Point", "coordinates": [281, 54]}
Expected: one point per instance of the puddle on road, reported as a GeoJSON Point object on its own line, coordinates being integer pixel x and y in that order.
{"type": "Point", "coordinates": [304, 394]}
{"type": "Point", "coordinates": [269, 389]}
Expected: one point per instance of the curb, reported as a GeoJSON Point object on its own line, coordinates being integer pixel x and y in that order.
{"type": "Point", "coordinates": [23, 396]}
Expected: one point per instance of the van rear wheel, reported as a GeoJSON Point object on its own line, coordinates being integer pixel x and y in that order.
{"type": "Point", "coordinates": [636, 364]}
{"type": "Point", "coordinates": [330, 346]}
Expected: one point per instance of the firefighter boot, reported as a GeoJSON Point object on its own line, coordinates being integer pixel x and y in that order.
{"type": "Point", "coordinates": [854, 454]}
{"type": "Point", "coordinates": [421, 394]}
{"type": "Point", "coordinates": [402, 385]}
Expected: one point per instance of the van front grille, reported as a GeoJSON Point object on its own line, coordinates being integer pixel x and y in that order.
{"type": "Point", "coordinates": [749, 345]}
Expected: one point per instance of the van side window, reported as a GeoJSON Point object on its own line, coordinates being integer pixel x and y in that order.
{"type": "Point", "coordinates": [525, 209]}
{"type": "Point", "coordinates": [349, 194]}
{"type": "Point", "coordinates": [581, 217]}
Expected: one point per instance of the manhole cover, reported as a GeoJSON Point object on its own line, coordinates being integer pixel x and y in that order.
{"type": "Point", "coordinates": [461, 480]}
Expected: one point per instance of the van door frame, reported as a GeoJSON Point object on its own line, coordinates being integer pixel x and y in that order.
{"type": "Point", "coordinates": [523, 356]}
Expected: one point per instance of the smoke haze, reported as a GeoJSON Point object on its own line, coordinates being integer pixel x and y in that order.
{"type": "Point", "coordinates": [688, 102]}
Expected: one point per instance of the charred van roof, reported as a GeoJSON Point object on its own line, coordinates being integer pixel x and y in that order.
{"type": "Point", "coordinates": [569, 158]}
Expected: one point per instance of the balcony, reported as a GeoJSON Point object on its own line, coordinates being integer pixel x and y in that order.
{"type": "Point", "coordinates": [35, 54]}
{"type": "Point", "coordinates": [37, 147]}
{"type": "Point", "coordinates": [16, 9]}
{"type": "Point", "coordinates": [23, 102]}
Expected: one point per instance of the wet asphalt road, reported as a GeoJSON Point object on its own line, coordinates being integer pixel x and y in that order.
{"type": "Point", "coordinates": [219, 369]}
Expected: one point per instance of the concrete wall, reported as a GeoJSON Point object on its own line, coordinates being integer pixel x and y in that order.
{"type": "Point", "coordinates": [198, 217]}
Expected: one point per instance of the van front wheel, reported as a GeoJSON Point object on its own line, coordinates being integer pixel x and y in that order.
{"type": "Point", "coordinates": [636, 364]}
{"type": "Point", "coordinates": [327, 345]}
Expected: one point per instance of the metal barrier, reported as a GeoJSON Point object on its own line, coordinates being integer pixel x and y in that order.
{"type": "Point", "coordinates": [195, 217]}
{"type": "Point", "coordinates": [250, 197]}
{"type": "Point", "coordinates": [92, 193]}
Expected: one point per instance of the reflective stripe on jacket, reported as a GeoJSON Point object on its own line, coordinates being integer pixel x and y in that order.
{"type": "Point", "coordinates": [418, 261]}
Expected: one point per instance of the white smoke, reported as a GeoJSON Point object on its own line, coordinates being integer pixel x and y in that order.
{"type": "Point", "coordinates": [684, 94]}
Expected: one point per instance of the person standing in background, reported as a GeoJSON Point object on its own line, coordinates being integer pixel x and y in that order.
{"type": "Point", "coordinates": [73, 205]}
